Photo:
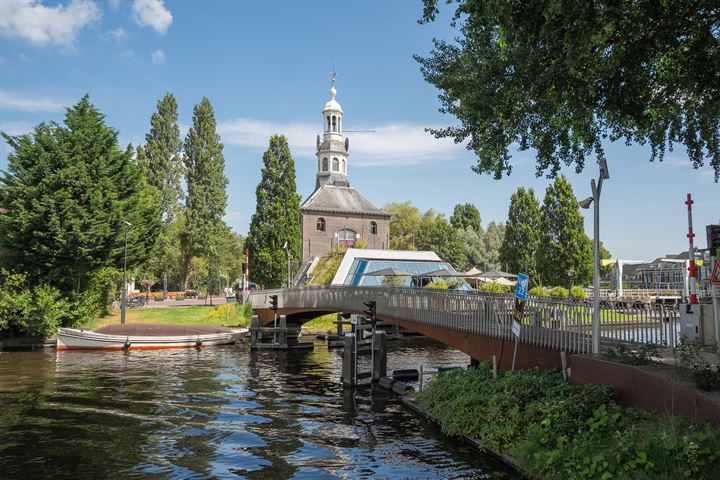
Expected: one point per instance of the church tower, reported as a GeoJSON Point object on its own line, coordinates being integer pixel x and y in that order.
{"type": "Point", "coordinates": [335, 214]}
{"type": "Point", "coordinates": [332, 149]}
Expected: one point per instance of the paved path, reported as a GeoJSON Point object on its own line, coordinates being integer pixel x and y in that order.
{"type": "Point", "coordinates": [185, 303]}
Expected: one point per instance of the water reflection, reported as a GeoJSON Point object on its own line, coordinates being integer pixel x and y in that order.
{"type": "Point", "coordinates": [222, 412]}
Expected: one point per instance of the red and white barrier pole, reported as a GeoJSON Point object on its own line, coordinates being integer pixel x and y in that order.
{"type": "Point", "coordinates": [691, 253]}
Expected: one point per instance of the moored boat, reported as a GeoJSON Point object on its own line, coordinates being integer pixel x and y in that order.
{"type": "Point", "coordinates": [139, 336]}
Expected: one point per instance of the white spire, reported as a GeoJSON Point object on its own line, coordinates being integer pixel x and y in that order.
{"type": "Point", "coordinates": [332, 149]}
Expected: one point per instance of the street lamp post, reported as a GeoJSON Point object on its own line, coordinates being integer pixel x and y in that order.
{"type": "Point", "coordinates": [596, 190]}
{"type": "Point", "coordinates": [123, 305]}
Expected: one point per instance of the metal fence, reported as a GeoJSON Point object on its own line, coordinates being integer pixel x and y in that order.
{"type": "Point", "coordinates": [548, 322]}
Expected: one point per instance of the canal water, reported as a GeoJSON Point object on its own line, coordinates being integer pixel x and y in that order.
{"type": "Point", "coordinates": [220, 412]}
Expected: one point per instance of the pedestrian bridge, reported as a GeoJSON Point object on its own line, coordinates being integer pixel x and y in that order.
{"type": "Point", "coordinates": [478, 324]}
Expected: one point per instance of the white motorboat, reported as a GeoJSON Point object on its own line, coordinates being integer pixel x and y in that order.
{"type": "Point", "coordinates": [146, 336]}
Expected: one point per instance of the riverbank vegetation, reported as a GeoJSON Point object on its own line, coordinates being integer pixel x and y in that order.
{"type": "Point", "coordinates": [562, 431]}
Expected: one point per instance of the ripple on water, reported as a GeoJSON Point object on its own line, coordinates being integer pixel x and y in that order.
{"type": "Point", "coordinates": [220, 412]}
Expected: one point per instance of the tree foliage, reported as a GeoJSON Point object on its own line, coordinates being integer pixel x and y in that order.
{"type": "Point", "coordinates": [206, 196]}
{"type": "Point", "coordinates": [466, 215]}
{"type": "Point", "coordinates": [68, 191]}
{"type": "Point", "coordinates": [277, 216]}
{"type": "Point", "coordinates": [561, 76]}
{"type": "Point", "coordinates": [564, 245]}
{"type": "Point", "coordinates": [404, 225]}
{"type": "Point", "coordinates": [161, 156]}
{"type": "Point", "coordinates": [436, 234]}
{"type": "Point", "coordinates": [522, 234]}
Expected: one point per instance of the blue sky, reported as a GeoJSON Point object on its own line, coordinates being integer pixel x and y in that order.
{"type": "Point", "coordinates": [265, 67]}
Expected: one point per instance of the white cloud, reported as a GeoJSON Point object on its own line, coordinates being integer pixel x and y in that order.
{"type": "Point", "coordinates": [153, 14]}
{"type": "Point", "coordinates": [16, 128]}
{"type": "Point", "coordinates": [33, 21]}
{"type": "Point", "coordinates": [14, 101]}
{"type": "Point", "coordinates": [391, 144]}
{"type": "Point", "coordinates": [118, 34]}
{"type": "Point", "coordinates": [157, 56]}
{"type": "Point", "coordinates": [114, 5]}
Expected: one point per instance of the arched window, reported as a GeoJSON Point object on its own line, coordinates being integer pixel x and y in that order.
{"type": "Point", "coordinates": [343, 166]}
{"type": "Point", "coordinates": [320, 224]}
{"type": "Point", "coordinates": [328, 125]}
{"type": "Point", "coordinates": [334, 123]}
{"type": "Point", "coordinates": [346, 238]}
{"type": "Point", "coordinates": [373, 228]}
{"type": "Point", "coordinates": [325, 164]}
{"type": "Point", "coordinates": [336, 165]}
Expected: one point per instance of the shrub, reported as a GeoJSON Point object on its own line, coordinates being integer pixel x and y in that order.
{"type": "Point", "coordinates": [641, 355]}
{"type": "Point", "coordinates": [688, 356]}
{"type": "Point", "coordinates": [559, 292]}
{"type": "Point", "coordinates": [557, 430]}
{"type": "Point", "coordinates": [490, 287]}
{"type": "Point", "coordinates": [577, 292]}
{"type": "Point", "coordinates": [37, 311]}
{"type": "Point", "coordinates": [539, 291]}
{"type": "Point", "coordinates": [439, 284]}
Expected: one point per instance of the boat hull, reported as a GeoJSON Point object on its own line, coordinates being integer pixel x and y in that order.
{"type": "Point", "coordinates": [75, 339]}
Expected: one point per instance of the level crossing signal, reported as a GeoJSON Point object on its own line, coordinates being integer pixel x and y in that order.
{"type": "Point", "coordinates": [274, 302]}
{"type": "Point", "coordinates": [371, 309]}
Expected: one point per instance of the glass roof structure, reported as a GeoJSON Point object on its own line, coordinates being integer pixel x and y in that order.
{"type": "Point", "coordinates": [361, 273]}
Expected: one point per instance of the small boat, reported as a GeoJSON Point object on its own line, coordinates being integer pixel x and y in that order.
{"type": "Point", "coordinates": [146, 336]}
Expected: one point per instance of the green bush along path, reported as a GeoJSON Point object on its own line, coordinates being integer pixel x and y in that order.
{"type": "Point", "coordinates": [562, 431]}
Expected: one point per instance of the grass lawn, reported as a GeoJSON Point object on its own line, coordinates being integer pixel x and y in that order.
{"type": "Point", "coordinates": [205, 315]}
{"type": "Point", "coordinates": [323, 324]}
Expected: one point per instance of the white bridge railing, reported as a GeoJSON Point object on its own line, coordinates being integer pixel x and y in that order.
{"type": "Point", "coordinates": [548, 322]}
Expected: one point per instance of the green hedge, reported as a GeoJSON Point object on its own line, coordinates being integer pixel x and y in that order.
{"type": "Point", "coordinates": [561, 431]}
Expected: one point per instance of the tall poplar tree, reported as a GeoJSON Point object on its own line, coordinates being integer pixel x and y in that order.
{"type": "Point", "coordinates": [162, 163]}
{"type": "Point", "coordinates": [206, 196]}
{"type": "Point", "coordinates": [522, 234]}
{"type": "Point", "coordinates": [277, 216]}
{"type": "Point", "coordinates": [160, 157]}
{"type": "Point", "coordinates": [68, 191]}
{"type": "Point", "coordinates": [564, 245]}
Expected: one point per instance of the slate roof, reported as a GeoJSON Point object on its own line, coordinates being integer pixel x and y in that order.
{"type": "Point", "coordinates": [341, 199]}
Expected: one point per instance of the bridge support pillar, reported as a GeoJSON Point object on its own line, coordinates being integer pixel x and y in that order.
{"type": "Point", "coordinates": [349, 366]}
{"type": "Point", "coordinates": [254, 331]}
{"type": "Point", "coordinates": [340, 319]}
{"type": "Point", "coordinates": [379, 367]}
{"type": "Point", "coordinates": [282, 333]}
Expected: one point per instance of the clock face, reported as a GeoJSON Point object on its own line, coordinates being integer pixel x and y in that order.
{"type": "Point", "coordinates": [347, 144]}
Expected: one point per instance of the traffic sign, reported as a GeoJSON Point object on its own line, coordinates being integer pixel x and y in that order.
{"type": "Point", "coordinates": [516, 328]}
{"type": "Point", "coordinates": [521, 288]}
{"type": "Point", "coordinates": [715, 277]}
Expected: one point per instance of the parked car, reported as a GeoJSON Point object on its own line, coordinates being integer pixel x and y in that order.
{"type": "Point", "coordinates": [191, 294]}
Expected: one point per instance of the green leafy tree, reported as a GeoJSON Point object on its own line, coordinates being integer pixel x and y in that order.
{"type": "Point", "coordinates": [68, 189]}
{"type": "Point", "coordinates": [206, 196]}
{"type": "Point", "coordinates": [605, 254]}
{"type": "Point", "coordinates": [404, 225]}
{"type": "Point", "coordinates": [277, 216]}
{"type": "Point", "coordinates": [560, 76]}
{"type": "Point", "coordinates": [466, 215]}
{"type": "Point", "coordinates": [473, 248]}
{"type": "Point", "coordinates": [438, 235]}
{"type": "Point", "coordinates": [161, 156]}
{"type": "Point", "coordinates": [564, 245]}
{"type": "Point", "coordinates": [522, 234]}
{"type": "Point", "coordinates": [493, 240]}
{"type": "Point", "coordinates": [162, 164]}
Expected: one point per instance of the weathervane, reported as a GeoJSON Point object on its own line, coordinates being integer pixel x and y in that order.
{"type": "Point", "coordinates": [332, 76]}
